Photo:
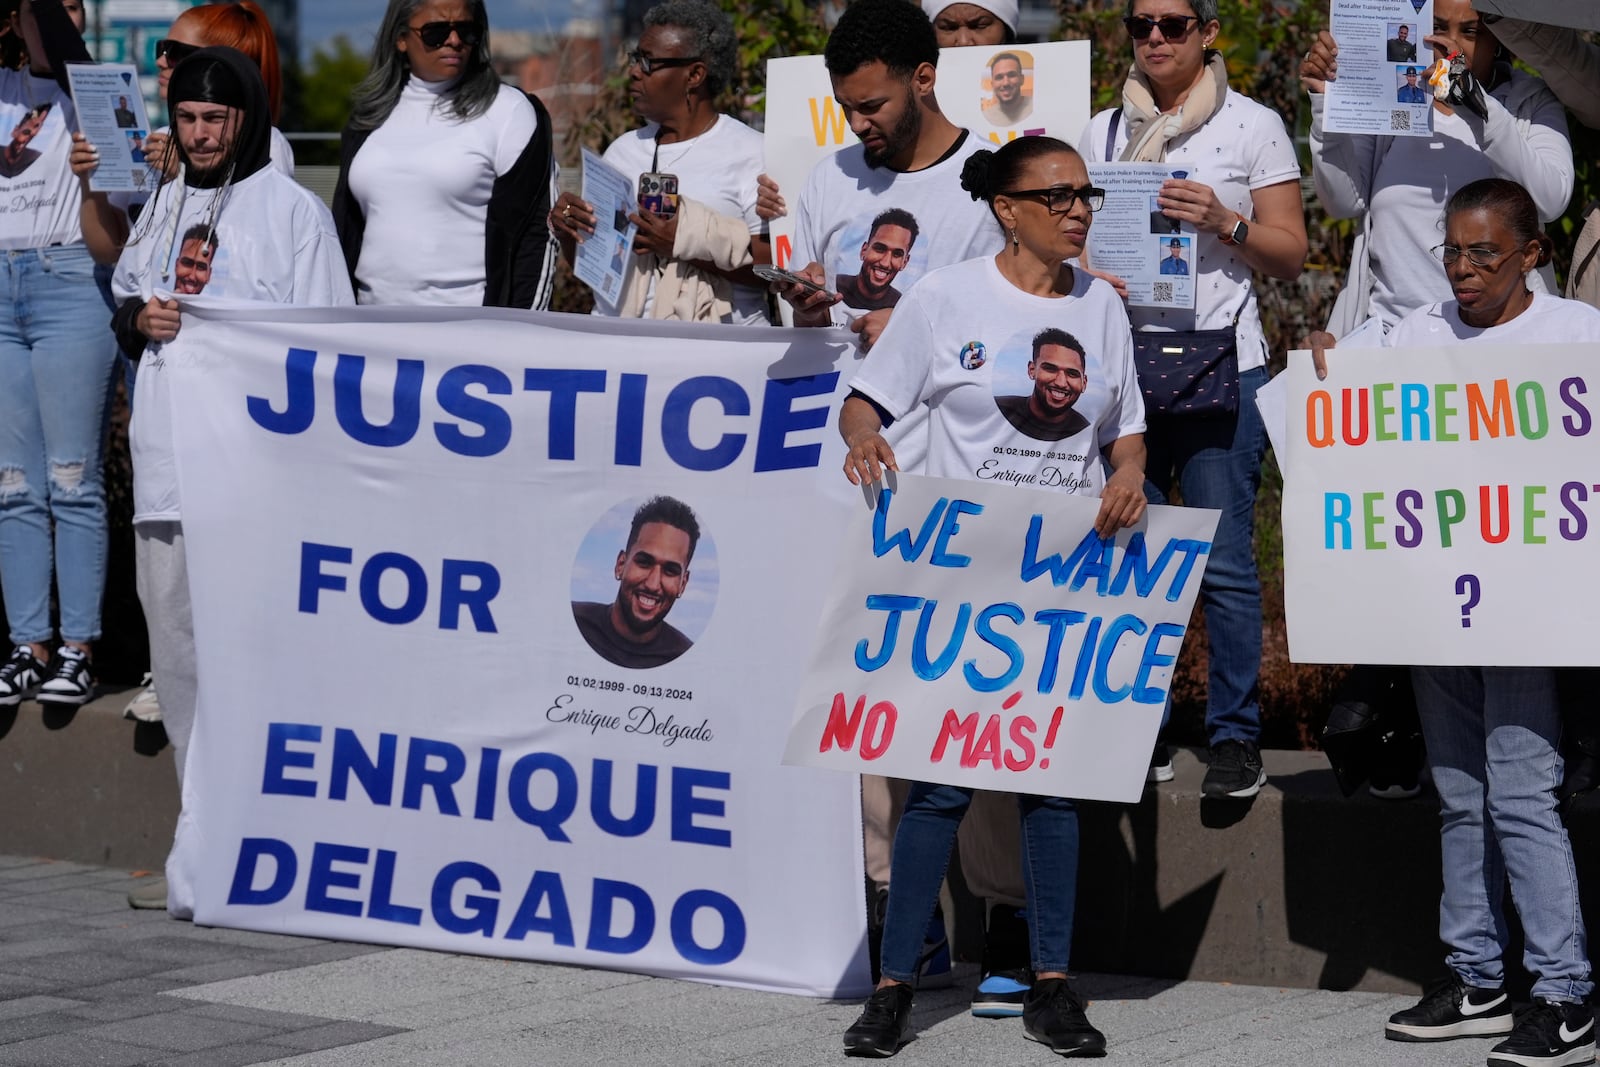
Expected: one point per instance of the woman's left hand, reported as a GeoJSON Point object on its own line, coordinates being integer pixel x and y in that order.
{"type": "Point", "coordinates": [1123, 502]}
{"type": "Point", "coordinates": [656, 234]}
{"type": "Point", "coordinates": [1196, 204]}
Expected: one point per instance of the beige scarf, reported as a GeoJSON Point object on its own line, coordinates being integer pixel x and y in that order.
{"type": "Point", "coordinates": [1150, 130]}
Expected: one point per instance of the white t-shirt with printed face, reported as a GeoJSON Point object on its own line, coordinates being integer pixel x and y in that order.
{"type": "Point", "coordinates": [718, 170]}
{"type": "Point", "coordinates": [1243, 148]}
{"type": "Point", "coordinates": [960, 344]}
{"type": "Point", "coordinates": [39, 192]}
{"type": "Point", "coordinates": [1547, 320]}
{"type": "Point", "coordinates": [875, 266]}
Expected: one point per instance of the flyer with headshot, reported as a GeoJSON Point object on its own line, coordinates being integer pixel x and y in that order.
{"type": "Point", "coordinates": [1134, 240]}
{"type": "Point", "coordinates": [602, 259]}
{"type": "Point", "coordinates": [111, 115]}
{"type": "Point", "coordinates": [1382, 87]}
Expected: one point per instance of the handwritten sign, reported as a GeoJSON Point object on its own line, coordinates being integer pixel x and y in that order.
{"type": "Point", "coordinates": [1440, 507]}
{"type": "Point", "coordinates": [987, 636]}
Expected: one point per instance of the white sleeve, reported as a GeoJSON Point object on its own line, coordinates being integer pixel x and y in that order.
{"type": "Point", "coordinates": [1128, 416]}
{"type": "Point", "coordinates": [321, 277]}
{"type": "Point", "coordinates": [1274, 162]}
{"type": "Point", "coordinates": [514, 127]}
{"type": "Point", "coordinates": [897, 373]}
{"type": "Point", "coordinates": [1342, 165]}
{"type": "Point", "coordinates": [1541, 161]}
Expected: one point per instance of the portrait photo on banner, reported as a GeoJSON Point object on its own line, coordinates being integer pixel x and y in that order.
{"type": "Point", "coordinates": [643, 598]}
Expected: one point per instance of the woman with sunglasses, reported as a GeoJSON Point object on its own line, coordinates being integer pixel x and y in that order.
{"type": "Point", "coordinates": [1494, 733]}
{"type": "Point", "coordinates": [691, 262]}
{"type": "Point", "coordinates": [1495, 122]}
{"type": "Point", "coordinates": [963, 342]}
{"type": "Point", "coordinates": [1243, 204]}
{"type": "Point", "coordinates": [56, 361]}
{"type": "Point", "coordinates": [445, 173]}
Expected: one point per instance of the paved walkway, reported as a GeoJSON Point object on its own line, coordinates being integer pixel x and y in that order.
{"type": "Point", "coordinates": [87, 982]}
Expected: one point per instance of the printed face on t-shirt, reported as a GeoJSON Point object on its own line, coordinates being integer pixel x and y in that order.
{"type": "Point", "coordinates": [193, 269]}
{"type": "Point", "coordinates": [28, 128]}
{"type": "Point", "coordinates": [1058, 379]}
{"type": "Point", "coordinates": [1038, 379]}
{"type": "Point", "coordinates": [884, 255]}
{"type": "Point", "coordinates": [875, 261]}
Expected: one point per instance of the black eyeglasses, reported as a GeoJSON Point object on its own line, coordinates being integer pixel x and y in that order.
{"type": "Point", "coordinates": [1479, 257]}
{"type": "Point", "coordinates": [1058, 198]}
{"type": "Point", "coordinates": [174, 52]}
{"type": "Point", "coordinates": [648, 65]}
{"type": "Point", "coordinates": [435, 34]}
{"type": "Point", "coordinates": [1172, 27]}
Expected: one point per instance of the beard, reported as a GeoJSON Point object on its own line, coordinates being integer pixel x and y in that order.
{"type": "Point", "coordinates": [902, 135]}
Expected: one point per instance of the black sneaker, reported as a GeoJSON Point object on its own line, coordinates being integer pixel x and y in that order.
{"type": "Point", "coordinates": [1451, 1008]}
{"type": "Point", "coordinates": [1053, 1015]}
{"type": "Point", "coordinates": [67, 681]}
{"type": "Point", "coordinates": [1549, 1034]}
{"type": "Point", "coordinates": [1006, 974]}
{"type": "Point", "coordinates": [1160, 764]}
{"type": "Point", "coordinates": [19, 676]}
{"type": "Point", "coordinates": [881, 1029]}
{"type": "Point", "coordinates": [1235, 770]}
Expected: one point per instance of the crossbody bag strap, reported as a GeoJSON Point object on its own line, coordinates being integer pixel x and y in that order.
{"type": "Point", "coordinates": [1111, 135]}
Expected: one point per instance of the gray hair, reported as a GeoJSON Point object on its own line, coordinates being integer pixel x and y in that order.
{"type": "Point", "coordinates": [379, 91]}
{"type": "Point", "coordinates": [1205, 10]}
{"type": "Point", "coordinates": [711, 33]}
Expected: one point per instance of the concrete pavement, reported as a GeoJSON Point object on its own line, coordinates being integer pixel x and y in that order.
{"type": "Point", "coordinates": [86, 981]}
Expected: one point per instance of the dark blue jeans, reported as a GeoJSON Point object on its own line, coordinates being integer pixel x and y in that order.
{"type": "Point", "coordinates": [1216, 463]}
{"type": "Point", "coordinates": [922, 847]}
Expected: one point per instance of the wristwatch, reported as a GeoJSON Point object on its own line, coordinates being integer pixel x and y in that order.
{"type": "Point", "coordinates": [1236, 235]}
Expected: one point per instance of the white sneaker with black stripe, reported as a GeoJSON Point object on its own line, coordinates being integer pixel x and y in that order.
{"type": "Point", "coordinates": [19, 676]}
{"type": "Point", "coordinates": [67, 681]}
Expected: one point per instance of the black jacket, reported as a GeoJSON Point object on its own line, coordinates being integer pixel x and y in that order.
{"type": "Point", "coordinates": [519, 254]}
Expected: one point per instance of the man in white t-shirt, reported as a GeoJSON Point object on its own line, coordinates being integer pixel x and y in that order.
{"type": "Point", "coordinates": [882, 61]}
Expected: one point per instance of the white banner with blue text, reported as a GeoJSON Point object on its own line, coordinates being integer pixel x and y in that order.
{"type": "Point", "coordinates": [985, 635]}
{"type": "Point", "coordinates": [499, 616]}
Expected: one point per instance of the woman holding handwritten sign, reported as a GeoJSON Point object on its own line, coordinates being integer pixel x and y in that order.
{"type": "Point", "coordinates": [1494, 733]}
{"type": "Point", "coordinates": [1070, 408]}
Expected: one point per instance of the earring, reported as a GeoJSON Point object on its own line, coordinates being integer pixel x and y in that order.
{"type": "Point", "coordinates": [1015, 244]}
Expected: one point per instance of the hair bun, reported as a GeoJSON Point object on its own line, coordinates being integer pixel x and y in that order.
{"type": "Point", "coordinates": [975, 173]}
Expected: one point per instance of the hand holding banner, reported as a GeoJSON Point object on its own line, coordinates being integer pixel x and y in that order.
{"type": "Point", "coordinates": [988, 637]}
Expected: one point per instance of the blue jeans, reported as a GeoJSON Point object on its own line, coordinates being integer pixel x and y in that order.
{"type": "Point", "coordinates": [56, 358]}
{"type": "Point", "coordinates": [922, 852]}
{"type": "Point", "coordinates": [1216, 463]}
{"type": "Point", "coordinates": [1493, 736]}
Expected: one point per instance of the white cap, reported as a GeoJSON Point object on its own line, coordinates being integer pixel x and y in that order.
{"type": "Point", "coordinates": [1004, 10]}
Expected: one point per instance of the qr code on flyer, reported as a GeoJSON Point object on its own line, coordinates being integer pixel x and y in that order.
{"type": "Point", "coordinates": [1400, 120]}
{"type": "Point", "coordinates": [1161, 292]}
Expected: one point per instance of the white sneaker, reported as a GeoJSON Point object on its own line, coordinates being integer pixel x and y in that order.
{"type": "Point", "coordinates": [19, 676]}
{"type": "Point", "coordinates": [67, 681]}
{"type": "Point", "coordinates": [146, 706]}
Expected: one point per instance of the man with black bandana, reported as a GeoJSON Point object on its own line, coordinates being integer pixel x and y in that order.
{"type": "Point", "coordinates": [273, 241]}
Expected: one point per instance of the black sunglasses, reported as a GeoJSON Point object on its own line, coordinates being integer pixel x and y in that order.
{"type": "Point", "coordinates": [435, 34]}
{"type": "Point", "coordinates": [1172, 27]}
{"type": "Point", "coordinates": [1058, 198]}
{"type": "Point", "coordinates": [174, 52]}
{"type": "Point", "coordinates": [648, 65]}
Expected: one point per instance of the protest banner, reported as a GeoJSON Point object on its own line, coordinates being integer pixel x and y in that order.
{"type": "Point", "coordinates": [428, 711]}
{"type": "Point", "coordinates": [985, 635]}
{"type": "Point", "coordinates": [804, 124]}
{"type": "Point", "coordinates": [1438, 507]}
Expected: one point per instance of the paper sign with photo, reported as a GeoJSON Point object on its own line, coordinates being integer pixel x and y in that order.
{"type": "Point", "coordinates": [1134, 240]}
{"type": "Point", "coordinates": [1382, 87]}
{"type": "Point", "coordinates": [111, 115]}
{"type": "Point", "coordinates": [602, 257]}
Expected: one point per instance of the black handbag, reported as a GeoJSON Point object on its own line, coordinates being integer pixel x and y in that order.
{"type": "Point", "coordinates": [1192, 374]}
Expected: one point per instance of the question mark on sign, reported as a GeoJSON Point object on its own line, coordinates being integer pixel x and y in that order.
{"type": "Point", "coordinates": [1467, 586]}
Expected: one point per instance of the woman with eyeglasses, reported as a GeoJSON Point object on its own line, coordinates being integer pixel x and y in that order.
{"type": "Point", "coordinates": [1024, 366]}
{"type": "Point", "coordinates": [1243, 205]}
{"type": "Point", "coordinates": [691, 260]}
{"type": "Point", "coordinates": [1494, 733]}
{"type": "Point", "coordinates": [445, 173]}
{"type": "Point", "coordinates": [1495, 121]}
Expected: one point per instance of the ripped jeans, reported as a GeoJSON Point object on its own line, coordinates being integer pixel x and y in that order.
{"type": "Point", "coordinates": [56, 359]}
